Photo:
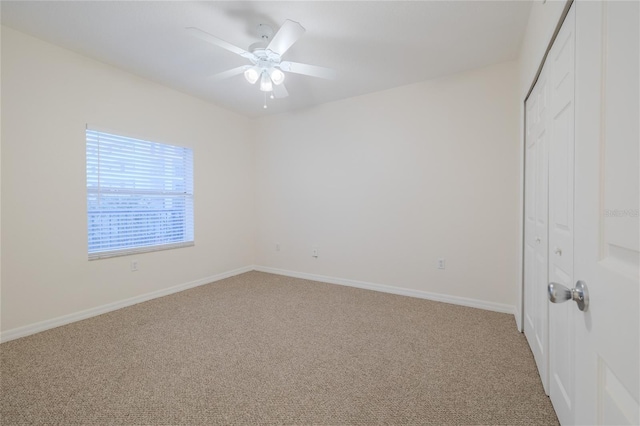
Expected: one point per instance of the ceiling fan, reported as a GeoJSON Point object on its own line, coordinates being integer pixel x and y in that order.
{"type": "Point", "coordinates": [266, 58]}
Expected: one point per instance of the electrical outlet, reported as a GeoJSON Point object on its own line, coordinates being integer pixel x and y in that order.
{"type": "Point", "coordinates": [277, 246]}
{"type": "Point", "coordinates": [314, 252]}
{"type": "Point", "coordinates": [441, 263]}
{"type": "Point", "coordinates": [134, 265]}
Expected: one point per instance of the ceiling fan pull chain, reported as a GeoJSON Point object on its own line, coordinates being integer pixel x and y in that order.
{"type": "Point", "coordinates": [265, 100]}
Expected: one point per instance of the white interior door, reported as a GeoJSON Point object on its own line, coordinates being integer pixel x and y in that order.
{"type": "Point", "coordinates": [607, 249]}
{"type": "Point", "coordinates": [561, 65]}
{"type": "Point", "coordinates": [536, 224]}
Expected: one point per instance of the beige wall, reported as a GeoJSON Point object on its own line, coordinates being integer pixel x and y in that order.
{"type": "Point", "coordinates": [48, 95]}
{"type": "Point", "coordinates": [543, 19]}
{"type": "Point", "coordinates": [385, 184]}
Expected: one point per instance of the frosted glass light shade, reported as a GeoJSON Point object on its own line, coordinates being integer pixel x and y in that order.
{"type": "Point", "coordinates": [251, 75]}
{"type": "Point", "coordinates": [277, 76]}
{"type": "Point", "coordinates": [265, 83]}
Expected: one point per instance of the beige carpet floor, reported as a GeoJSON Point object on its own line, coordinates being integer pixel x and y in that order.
{"type": "Point", "coordinates": [266, 349]}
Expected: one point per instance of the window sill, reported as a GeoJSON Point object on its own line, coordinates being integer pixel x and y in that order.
{"type": "Point", "coordinates": [138, 250]}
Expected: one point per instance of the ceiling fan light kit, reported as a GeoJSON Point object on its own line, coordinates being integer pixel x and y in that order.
{"type": "Point", "coordinates": [252, 75]}
{"type": "Point", "coordinates": [266, 85]}
{"type": "Point", "coordinates": [276, 75]}
{"type": "Point", "coordinates": [266, 59]}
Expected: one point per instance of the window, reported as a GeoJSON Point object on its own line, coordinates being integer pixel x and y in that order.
{"type": "Point", "coordinates": [139, 195]}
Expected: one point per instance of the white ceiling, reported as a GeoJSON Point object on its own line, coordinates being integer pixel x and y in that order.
{"type": "Point", "coordinates": [373, 45]}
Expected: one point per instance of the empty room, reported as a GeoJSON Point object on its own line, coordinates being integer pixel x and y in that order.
{"type": "Point", "coordinates": [320, 212]}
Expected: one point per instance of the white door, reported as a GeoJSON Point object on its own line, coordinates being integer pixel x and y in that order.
{"type": "Point", "coordinates": [607, 250]}
{"type": "Point", "coordinates": [561, 65]}
{"type": "Point", "coordinates": [536, 224]}
{"type": "Point", "coordinates": [594, 354]}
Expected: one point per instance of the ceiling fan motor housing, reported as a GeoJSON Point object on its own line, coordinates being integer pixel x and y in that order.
{"type": "Point", "coordinates": [263, 54]}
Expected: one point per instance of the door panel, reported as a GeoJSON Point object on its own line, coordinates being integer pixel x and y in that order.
{"type": "Point", "coordinates": [561, 62]}
{"type": "Point", "coordinates": [536, 224]}
{"type": "Point", "coordinates": [530, 218]}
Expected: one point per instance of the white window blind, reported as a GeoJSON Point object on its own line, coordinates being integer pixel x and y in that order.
{"type": "Point", "coordinates": [139, 195]}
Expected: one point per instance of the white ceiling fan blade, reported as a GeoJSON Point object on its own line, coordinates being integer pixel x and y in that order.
{"type": "Point", "coordinates": [288, 34]}
{"type": "Point", "coordinates": [203, 35]}
{"type": "Point", "coordinates": [279, 91]}
{"type": "Point", "coordinates": [306, 69]}
{"type": "Point", "coordinates": [230, 73]}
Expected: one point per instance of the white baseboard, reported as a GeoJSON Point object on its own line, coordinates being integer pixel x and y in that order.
{"type": "Point", "coordinates": [518, 316]}
{"type": "Point", "coordinates": [455, 300]}
{"type": "Point", "coordinates": [26, 330]}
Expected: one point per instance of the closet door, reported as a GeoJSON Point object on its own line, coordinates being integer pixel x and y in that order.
{"type": "Point", "coordinates": [536, 224]}
{"type": "Point", "coordinates": [561, 64]}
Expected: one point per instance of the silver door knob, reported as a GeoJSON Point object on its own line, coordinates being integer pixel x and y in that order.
{"type": "Point", "coordinates": [558, 251]}
{"type": "Point", "coordinates": [538, 240]}
{"type": "Point", "coordinates": [559, 293]}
